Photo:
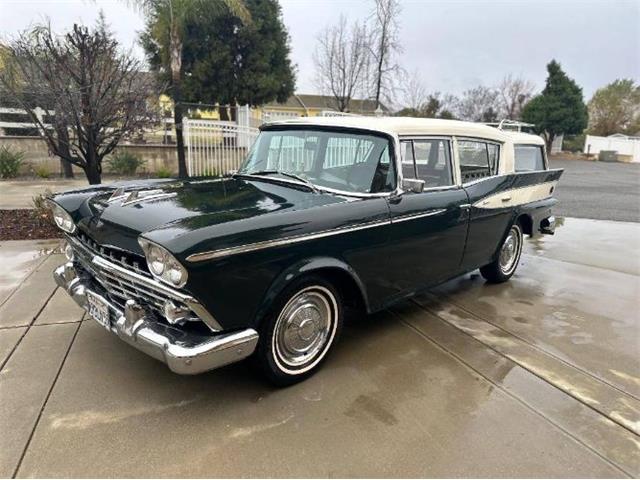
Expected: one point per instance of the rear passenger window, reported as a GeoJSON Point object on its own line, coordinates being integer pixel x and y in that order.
{"type": "Point", "coordinates": [427, 160]}
{"type": "Point", "coordinates": [477, 159]}
{"type": "Point", "coordinates": [528, 158]}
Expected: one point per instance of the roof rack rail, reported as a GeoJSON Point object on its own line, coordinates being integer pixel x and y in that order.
{"type": "Point", "coordinates": [512, 125]}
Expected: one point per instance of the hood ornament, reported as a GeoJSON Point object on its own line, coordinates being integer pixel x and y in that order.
{"type": "Point", "coordinates": [138, 196]}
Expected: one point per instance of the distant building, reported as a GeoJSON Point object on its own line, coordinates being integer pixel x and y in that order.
{"type": "Point", "coordinates": [304, 105]}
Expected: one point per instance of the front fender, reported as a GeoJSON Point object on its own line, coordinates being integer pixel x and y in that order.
{"type": "Point", "coordinates": [303, 267]}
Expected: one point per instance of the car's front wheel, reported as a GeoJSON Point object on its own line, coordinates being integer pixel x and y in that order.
{"type": "Point", "coordinates": [300, 330]}
{"type": "Point", "coordinates": [504, 266]}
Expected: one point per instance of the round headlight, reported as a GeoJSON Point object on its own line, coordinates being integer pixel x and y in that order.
{"type": "Point", "coordinates": [163, 265]}
{"type": "Point", "coordinates": [156, 260]}
{"type": "Point", "coordinates": [175, 276]}
{"type": "Point", "coordinates": [63, 219]}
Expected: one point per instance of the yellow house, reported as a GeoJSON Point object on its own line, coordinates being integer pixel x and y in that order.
{"type": "Point", "coordinates": [297, 105]}
{"type": "Point", "coordinates": [166, 104]}
{"type": "Point", "coordinates": [306, 105]}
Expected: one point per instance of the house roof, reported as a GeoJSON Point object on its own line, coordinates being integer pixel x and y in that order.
{"type": "Point", "coordinates": [326, 102]}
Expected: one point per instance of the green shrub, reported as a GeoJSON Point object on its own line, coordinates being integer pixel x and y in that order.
{"type": "Point", "coordinates": [124, 163]}
{"type": "Point", "coordinates": [573, 143]}
{"type": "Point", "coordinates": [41, 210]}
{"type": "Point", "coordinates": [10, 162]}
{"type": "Point", "coordinates": [42, 171]}
{"type": "Point", "coordinates": [163, 172]}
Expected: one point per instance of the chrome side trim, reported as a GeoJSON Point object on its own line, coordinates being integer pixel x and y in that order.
{"type": "Point", "coordinates": [517, 196]}
{"type": "Point", "coordinates": [188, 300]}
{"type": "Point", "coordinates": [252, 247]}
{"type": "Point", "coordinates": [414, 216]}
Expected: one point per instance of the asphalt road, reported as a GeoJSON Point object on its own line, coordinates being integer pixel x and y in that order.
{"type": "Point", "coordinates": [598, 190]}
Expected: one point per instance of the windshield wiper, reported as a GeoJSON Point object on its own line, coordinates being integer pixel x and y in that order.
{"type": "Point", "coordinates": [308, 183]}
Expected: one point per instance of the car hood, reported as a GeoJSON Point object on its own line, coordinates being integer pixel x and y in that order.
{"type": "Point", "coordinates": [166, 211]}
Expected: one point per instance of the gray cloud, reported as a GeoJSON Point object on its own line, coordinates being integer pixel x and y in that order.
{"type": "Point", "coordinates": [453, 44]}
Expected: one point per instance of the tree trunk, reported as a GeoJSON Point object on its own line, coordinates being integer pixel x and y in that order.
{"type": "Point", "coordinates": [177, 118]}
{"type": "Point", "coordinates": [175, 47]}
{"type": "Point", "coordinates": [549, 138]}
{"type": "Point", "coordinates": [63, 145]}
{"type": "Point", "coordinates": [93, 170]}
{"type": "Point", "coordinates": [223, 111]}
{"type": "Point", "coordinates": [67, 169]}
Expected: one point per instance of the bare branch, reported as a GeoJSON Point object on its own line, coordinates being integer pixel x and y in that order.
{"type": "Point", "coordinates": [340, 59]}
{"type": "Point", "coordinates": [98, 93]}
{"type": "Point", "coordinates": [515, 92]}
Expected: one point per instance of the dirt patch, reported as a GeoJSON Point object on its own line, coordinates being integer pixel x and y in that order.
{"type": "Point", "coordinates": [26, 225]}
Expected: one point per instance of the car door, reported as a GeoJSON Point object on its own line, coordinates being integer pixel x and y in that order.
{"type": "Point", "coordinates": [428, 229]}
{"type": "Point", "coordinates": [478, 160]}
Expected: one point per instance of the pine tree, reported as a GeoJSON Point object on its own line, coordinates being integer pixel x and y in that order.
{"type": "Point", "coordinates": [559, 109]}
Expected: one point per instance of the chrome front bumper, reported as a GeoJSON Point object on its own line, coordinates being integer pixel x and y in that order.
{"type": "Point", "coordinates": [183, 352]}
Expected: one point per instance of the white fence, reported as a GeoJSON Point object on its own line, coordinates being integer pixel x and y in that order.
{"type": "Point", "coordinates": [39, 112]}
{"type": "Point", "coordinates": [620, 143]}
{"type": "Point", "coordinates": [216, 147]}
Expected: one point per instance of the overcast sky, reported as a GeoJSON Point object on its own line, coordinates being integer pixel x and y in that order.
{"type": "Point", "coordinates": [454, 45]}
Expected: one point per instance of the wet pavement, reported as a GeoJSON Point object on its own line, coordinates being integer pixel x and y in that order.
{"type": "Point", "coordinates": [536, 377]}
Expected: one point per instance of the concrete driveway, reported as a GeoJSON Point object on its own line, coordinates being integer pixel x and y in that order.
{"type": "Point", "coordinates": [538, 377]}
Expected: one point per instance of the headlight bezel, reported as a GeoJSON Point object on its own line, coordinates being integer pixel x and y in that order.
{"type": "Point", "coordinates": [172, 272]}
{"type": "Point", "coordinates": [62, 218]}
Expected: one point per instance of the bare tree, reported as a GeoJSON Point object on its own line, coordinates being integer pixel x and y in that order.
{"type": "Point", "coordinates": [383, 45]}
{"type": "Point", "coordinates": [340, 60]}
{"type": "Point", "coordinates": [414, 93]}
{"type": "Point", "coordinates": [98, 92]}
{"type": "Point", "coordinates": [515, 92]}
{"type": "Point", "coordinates": [479, 104]}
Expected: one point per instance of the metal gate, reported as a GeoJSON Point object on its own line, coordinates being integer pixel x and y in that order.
{"type": "Point", "coordinates": [216, 147]}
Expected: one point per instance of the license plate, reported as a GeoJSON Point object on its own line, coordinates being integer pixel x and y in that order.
{"type": "Point", "coordinates": [98, 309]}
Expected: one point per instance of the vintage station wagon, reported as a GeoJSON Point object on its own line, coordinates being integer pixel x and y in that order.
{"type": "Point", "coordinates": [325, 214]}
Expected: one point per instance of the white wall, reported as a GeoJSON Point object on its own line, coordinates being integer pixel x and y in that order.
{"type": "Point", "coordinates": [622, 145]}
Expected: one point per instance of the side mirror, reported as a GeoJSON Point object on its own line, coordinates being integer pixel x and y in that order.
{"type": "Point", "coordinates": [412, 185]}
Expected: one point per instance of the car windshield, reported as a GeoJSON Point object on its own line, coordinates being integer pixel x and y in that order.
{"type": "Point", "coordinates": [344, 161]}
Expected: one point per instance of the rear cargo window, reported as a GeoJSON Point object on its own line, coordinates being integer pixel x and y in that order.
{"type": "Point", "coordinates": [528, 158]}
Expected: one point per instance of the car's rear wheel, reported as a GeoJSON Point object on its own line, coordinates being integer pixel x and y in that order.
{"type": "Point", "coordinates": [504, 266]}
{"type": "Point", "coordinates": [299, 331]}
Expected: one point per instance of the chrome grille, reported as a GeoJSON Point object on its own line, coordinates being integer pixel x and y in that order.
{"type": "Point", "coordinates": [118, 287]}
{"type": "Point", "coordinates": [127, 260]}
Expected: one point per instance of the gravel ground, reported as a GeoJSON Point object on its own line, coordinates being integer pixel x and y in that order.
{"type": "Point", "coordinates": [598, 190]}
{"type": "Point", "coordinates": [26, 225]}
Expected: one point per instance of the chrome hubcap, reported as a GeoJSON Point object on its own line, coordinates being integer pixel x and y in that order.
{"type": "Point", "coordinates": [509, 251]}
{"type": "Point", "coordinates": [303, 327]}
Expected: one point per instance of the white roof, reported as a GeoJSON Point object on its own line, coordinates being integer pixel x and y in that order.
{"type": "Point", "coordinates": [520, 138]}
{"type": "Point", "coordinates": [406, 126]}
